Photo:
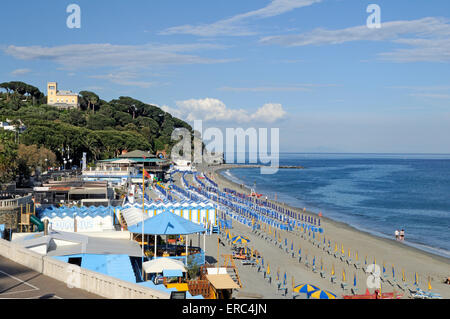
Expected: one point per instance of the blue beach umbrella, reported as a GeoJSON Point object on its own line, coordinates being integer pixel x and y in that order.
{"type": "Point", "coordinates": [305, 288]}
{"type": "Point", "coordinates": [321, 294]}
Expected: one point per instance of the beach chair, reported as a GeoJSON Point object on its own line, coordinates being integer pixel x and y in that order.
{"type": "Point", "coordinates": [322, 274]}
{"type": "Point", "coordinates": [333, 279]}
{"type": "Point", "coordinates": [306, 264]}
{"type": "Point", "coordinates": [357, 265]}
{"type": "Point", "coordinates": [354, 290]}
{"type": "Point", "coordinates": [314, 269]}
{"type": "Point", "coordinates": [349, 261]}
{"type": "Point", "coordinates": [344, 286]}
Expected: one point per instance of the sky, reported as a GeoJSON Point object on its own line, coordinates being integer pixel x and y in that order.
{"type": "Point", "coordinates": [312, 68]}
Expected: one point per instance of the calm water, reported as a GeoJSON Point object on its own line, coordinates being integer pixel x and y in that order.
{"type": "Point", "coordinates": [376, 193]}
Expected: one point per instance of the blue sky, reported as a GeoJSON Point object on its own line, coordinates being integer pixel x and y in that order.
{"type": "Point", "coordinates": [309, 67]}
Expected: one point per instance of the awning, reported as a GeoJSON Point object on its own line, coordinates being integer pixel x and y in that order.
{"type": "Point", "coordinates": [158, 265]}
{"type": "Point", "coordinates": [172, 273]}
{"type": "Point", "coordinates": [222, 282]}
{"type": "Point", "coordinates": [167, 223]}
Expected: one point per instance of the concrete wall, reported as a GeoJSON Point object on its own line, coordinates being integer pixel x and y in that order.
{"type": "Point", "coordinates": [75, 276]}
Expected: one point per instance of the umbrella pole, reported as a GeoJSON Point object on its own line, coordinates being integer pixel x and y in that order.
{"type": "Point", "coordinates": [155, 246]}
{"type": "Point", "coordinates": [186, 248]}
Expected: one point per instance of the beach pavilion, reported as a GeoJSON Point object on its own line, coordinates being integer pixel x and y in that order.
{"type": "Point", "coordinates": [167, 223]}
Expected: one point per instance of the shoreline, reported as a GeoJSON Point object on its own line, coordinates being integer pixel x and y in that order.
{"type": "Point", "coordinates": [328, 220]}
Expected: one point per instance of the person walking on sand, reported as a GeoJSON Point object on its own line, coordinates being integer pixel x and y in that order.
{"type": "Point", "coordinates": [397, 234]}
{"type": "Point", "coordinates": [402, 235]}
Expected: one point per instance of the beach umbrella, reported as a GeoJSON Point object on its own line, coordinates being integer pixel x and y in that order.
{"type": "Point", "coordinates": [403, 275]}
{"type": "Point", "coordinates": [314, 261]}
{"type": "Point", "coordinates": [332, 270]}
{"type": "Point", "coordinates": [278, 274]}
{"type": "Point", "coordinates": [416, 279]}
{"type": "Point", "coordinates": [240, 239]}
{"type": "Point", "coordinates": [384, 268]}
{"type": "Point", "coordinates": [268, 269]}
{"type": "Point", "coordinates": [285, 278]}
{"type": "Point", "coordinates": [356, 256]}
{"type": "Point", "coordinates": [342, 249]}
{"type": "Point", "coordinates": [343, 275]}
{"type": "Point", "coordinates": [292, 246]}
{"type": "Point", "coordinates": [322, 294]}
{"type": "Point", "coordinates": [354, 280]}
{"type": "Point", "coordinates": [393, 272]}
{"type": "Point", "coordinates": [305, 288]}
{"type": "Point", "coordinates": [429, 284]}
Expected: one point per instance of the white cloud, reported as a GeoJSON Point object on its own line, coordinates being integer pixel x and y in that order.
{"type": "Point", "coordinates": [210, 109]}
{"type": "Point", "coordinates": [234, 26]}
{"type": "Point", "coordinates": [429, 38]}
{"type": "Point", "coordinates": [20, 72]}
{"type": "Point", "coordinates": [124, 56]}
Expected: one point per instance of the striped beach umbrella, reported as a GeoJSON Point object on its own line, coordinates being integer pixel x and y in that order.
{"type": "Point", "coordinates": [322, 294]}
{"type": "Point", "coordinates": [305, 288]}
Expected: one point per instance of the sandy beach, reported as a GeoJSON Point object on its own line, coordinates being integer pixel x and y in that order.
{"type": "Point", "coordinates": [383, 251]}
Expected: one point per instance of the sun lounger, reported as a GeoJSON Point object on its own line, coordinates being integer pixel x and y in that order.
{"type": "Point", "coordinates": [344, 285]}
{"type": "Point", "coordinates": [314, 269]}
{"type": "Point", "coordinates": [333, 279]}
{"type": "Point", "coordinates": [349, 261]}
{"type": "Point", "coordinates": [322, 274]}
{"type": "Point", "coordinates": [248, 262]}
{"type": "Point", "coordinates": [357, 265]}
{"type": "Point", "coordinates": [354, 290]}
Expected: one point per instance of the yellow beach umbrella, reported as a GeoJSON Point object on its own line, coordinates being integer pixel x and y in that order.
{"type": "Point", "coordinates": [322, 294]}
{"type": "Point", "coordinates": [349, 253]}
{"type": "Point", "coordinates": [429, 284]}
{"type": "Point", "coordinates": [268, 269]}
{"type": "Point", "coordinates": [332, 270]}
{"type": "Point", "coordinates": [343, 275]}
{"type": "Point", "coordinates": [342, 249]}
{"type": "Point", "coordinates": [403, 275]}
{"type": "Point", "coordinates": [356, 256]}
{"type": "Point", "coordinates": [305, 288]}
{"type": "Point", "coordinates": [335, 247]}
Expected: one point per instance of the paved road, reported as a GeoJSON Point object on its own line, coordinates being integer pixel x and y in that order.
{"type": "Point", "coordinates": [20, 282]}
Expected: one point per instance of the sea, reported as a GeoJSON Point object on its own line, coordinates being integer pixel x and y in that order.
{"type": "Point", "coordinates": [375, 193]}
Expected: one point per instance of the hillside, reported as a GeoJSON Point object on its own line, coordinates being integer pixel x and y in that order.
{"type": "Point", "coordinates": [101, 129]}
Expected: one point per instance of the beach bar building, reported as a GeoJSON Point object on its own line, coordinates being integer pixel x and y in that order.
{"type": "Point", "coordinates": [166, 224]}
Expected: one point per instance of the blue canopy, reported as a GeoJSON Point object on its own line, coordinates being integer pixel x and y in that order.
{"type": "Point", "coordinates": [167, 223]}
